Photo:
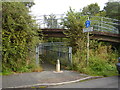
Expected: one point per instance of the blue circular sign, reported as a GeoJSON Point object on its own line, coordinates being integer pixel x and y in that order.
{"type": "Point", "coordinates": [87, 23]}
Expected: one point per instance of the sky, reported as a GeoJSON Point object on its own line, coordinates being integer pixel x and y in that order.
{"type": "Point", "coordinates": [46, 7]}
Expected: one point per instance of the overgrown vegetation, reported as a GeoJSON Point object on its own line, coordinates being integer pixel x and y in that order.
{"type": "Point", "coordinates": [102, 60]}
{"type": "Point", "coordinates": [19, 35]}
{"type": "Point", "coordinates": [102, 57]}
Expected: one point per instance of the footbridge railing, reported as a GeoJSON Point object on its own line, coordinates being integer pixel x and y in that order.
{"type": "Point", "coordinates": [102, 24]}
{"type": "Point", "coordinates": [51, 21]}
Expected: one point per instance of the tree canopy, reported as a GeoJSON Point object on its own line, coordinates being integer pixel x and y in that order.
{"type": "Point", "coordinates": [113, 10]}
{"type": "Point", "coordinates": [75, 24]}
{"type": "Point", "coordinates": [51, 21]}
{"type": "Point", "coordinates": [91, 9]}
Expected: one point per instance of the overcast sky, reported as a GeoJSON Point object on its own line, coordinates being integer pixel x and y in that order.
{"type": "Point", "coordinates": [42, 7]}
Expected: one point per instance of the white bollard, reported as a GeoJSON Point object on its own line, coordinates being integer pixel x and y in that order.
{"type": "Point", "coordinates": [58, 66]}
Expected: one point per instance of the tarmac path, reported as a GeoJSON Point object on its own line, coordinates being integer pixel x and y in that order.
{"type": "Point", "coordinates": [47, 77]}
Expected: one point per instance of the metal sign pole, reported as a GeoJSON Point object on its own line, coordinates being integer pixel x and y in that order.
{"type": "Point", "coordinates": [88, 41]}
{"type": "Point", "coordinates": [87, 23]}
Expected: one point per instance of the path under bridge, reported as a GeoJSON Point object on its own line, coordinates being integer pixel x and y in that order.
{"type": "Point", "coordinates": [52, 51]}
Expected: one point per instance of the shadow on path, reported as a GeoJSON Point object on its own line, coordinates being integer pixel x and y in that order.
{"type": "Point", "coordinates": [48, 66]}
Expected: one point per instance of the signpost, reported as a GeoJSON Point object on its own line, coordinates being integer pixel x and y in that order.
{"type": "Point", "coordinates": [87, 29]}
{"type": "Point", "coordinates": [87, 23]}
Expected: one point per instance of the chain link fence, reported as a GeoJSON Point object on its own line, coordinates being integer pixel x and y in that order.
{"type": "Point", "coordinates": [53, 51]}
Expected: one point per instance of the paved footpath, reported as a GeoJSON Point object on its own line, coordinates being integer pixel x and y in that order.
{"type": "Point", "coordinates": [39, 78]}
{"type": "Point", "coordinates": [42, 78]}
{"type": "Point", "coordinates": [46, 78]}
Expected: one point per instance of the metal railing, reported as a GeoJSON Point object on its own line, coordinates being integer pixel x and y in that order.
{"type": "Point", "coordinates": [51, 21]}
{"type": "Point", "coordinates": [98, 23]}
{"type": "Point", "coordinates": [105, 24]}
{"type": "Point", "coordinates": [53, 51]}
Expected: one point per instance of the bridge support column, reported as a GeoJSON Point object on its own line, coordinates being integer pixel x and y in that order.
{"type": "Point", "coordinates": [37, 55]}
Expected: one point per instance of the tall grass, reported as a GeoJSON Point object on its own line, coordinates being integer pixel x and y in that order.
{"type": "Point", "coordinates": [101, 61]}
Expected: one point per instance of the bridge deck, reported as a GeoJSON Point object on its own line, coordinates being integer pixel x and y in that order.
{"type": "Point", "coordinates": [104, 36]}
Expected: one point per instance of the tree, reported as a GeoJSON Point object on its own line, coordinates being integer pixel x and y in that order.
{"type": "Point", "coordinates": [91, 9]}
{"type": "Point", "coordinates": [19, 35]}
{"type": "Point", "coordinates": [29, 4]}
{"type": "Point", "coordinates": [101, 13]}
{"type": "Point", "coordinates": [51, 21]}
{"type": "Point", "coordinates": [75, 24]}
{"type": "Point", "coordinates": [113, 10]}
